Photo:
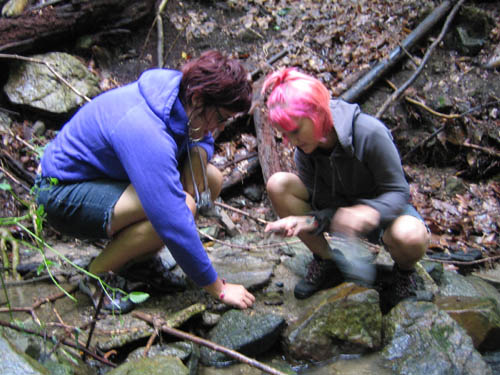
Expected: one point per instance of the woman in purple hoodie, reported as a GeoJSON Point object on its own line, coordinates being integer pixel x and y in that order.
{"type": "Point", "coordinates": [119, 169]}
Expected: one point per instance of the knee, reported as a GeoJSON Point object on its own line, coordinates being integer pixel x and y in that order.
{"type": "Point", "coordinates": [214, 177]}
{"type": "Point", "coordinates": [407, 239]}
{"type": "Point", "coordinates": [277, 184]}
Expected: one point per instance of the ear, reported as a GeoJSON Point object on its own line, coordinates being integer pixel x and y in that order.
{"type": "Point", "coordinates": [196, 100]}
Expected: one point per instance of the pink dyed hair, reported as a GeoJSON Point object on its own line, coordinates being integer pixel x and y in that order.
{"type": "Point", "coordinates": [294, 95]}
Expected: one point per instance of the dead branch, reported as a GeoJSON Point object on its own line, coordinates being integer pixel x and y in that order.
{"type": "Point", "coordinates": [220, 204]}
{"type": "Point", "coordinates": [395, 95]}
{"type": "Point", "coordinates": [483, 260]}
{"type": "Point", "coordinates": [383, 67]}
{"type": "Point", "coordinates": [209, 344]}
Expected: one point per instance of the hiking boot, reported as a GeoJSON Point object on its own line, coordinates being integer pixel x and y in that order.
{"type": "Point", "coordinates": [321, 274]}
{"type": "Point", "coordinates": [405, 285]}
{"type": "Point", "coordinates": [156, 274]}
{"type": "Point", "coordinates": [113, 299]}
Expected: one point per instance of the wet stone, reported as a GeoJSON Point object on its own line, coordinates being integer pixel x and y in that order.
{"type": "Point", "coordinates": [248, 334]}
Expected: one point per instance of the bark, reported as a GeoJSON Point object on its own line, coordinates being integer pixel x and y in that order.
{"type": "Point", "coordinates": [270, 157]}
{"type": "Point", "coordinates": [66, 20]}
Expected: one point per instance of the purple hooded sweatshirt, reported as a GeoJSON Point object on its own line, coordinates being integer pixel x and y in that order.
{"type": "Point", "coordinates": [138, 133]}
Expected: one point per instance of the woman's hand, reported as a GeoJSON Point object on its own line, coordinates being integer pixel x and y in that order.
{"type": "Point", "coordinates": [355, 220]}
{"type": "Point", "coordinates": [292, 225]}
{"type": "Point", "coordinates": [231, 294]}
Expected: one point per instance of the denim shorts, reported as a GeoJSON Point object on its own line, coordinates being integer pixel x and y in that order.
{"type": "Point", "coordinates": [83, 209]}
{"type": "Point", "coordinates": [375, 236]}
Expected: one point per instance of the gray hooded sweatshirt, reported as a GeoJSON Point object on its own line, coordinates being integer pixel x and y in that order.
{"type": "Point", "coordinates": [363, 168]}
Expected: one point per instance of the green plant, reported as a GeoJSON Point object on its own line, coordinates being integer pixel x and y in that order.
{"type": "Point", "coordinates": [36, 217]}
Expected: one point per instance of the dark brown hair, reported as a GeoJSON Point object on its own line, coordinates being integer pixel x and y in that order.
{"type": "Point", "coordinates": [218, 81]}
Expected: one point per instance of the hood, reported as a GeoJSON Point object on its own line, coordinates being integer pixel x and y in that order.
{"type": "Point", "coordinates": [344, 114]}
{"type": "Point", "coordinates": [160, 89]}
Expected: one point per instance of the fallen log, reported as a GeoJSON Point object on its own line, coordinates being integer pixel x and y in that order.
{"type": "Point", "coordinates": [270, 155]}
{"type": "Point", "coordinates": [67, 20]}
{"type": "Point", "coordinates": [238, 175]}
{"type": "Point", "coordinates": [379, 70]}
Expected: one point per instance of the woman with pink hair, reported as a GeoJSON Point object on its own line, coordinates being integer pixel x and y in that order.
{"type": "Point", "coordinates": [350, 181]}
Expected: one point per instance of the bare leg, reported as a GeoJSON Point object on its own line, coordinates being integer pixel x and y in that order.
{"type": "Point", "coordinates": [289, 197]}
{"type": "Point", "coordinates": [135, 236]}
{"type": "Point", "coordinates": [406, 240]}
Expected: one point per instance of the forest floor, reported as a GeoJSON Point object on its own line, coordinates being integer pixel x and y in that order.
{"type": "Point", "coordinates": [446, 125]}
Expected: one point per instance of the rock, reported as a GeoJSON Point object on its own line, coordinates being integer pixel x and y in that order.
{"type": "Point", "coordinates": [253, 192]}
{"type": "Point", "coordinates": [15, 362]}
{"type": "Point", "coordinates": [248, 334]}
{"type": "Point", "coordinates": [480, 317]}
{"type": "Point", "coordinates": [180, 349]}
{"type": "Point", "coordinates": [347, 319]}
{"type": "Point", "coordinates": [5, 121]}
{"type": "Point", "coordinates": [454, 284]}
{"type": "Point", "coordinates": [242, 267]}
{"type": "Point", "coordinates": [33, 84]}
{"type": "Point", "coordinates": [33, 349]}
{"type": "Point", "coordinates": [491, 275]}
{"type": "Point", "coordinates": [421, 339]}
{"type": "Point", "coordinates": [14, 8]}
{"type": "Point", "coordinates": [159, 365]}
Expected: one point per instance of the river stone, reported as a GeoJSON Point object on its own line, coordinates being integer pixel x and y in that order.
{"type": "Point", "coordinates": [454, 284]}
{"type": "Point", "coordinates": [248, 334]}
{"type": "Point", "coordinates": [63, 361]}
{"type": "Point", "coordinates": [33, 84]}
{"type": "Point", "coordinates": [346, 320]}
{"type": "Point", "coordinates": [242, 267]}
{"type": "Point", "coordinates": [421, 339]}
{"type": "Point", "coordinates": [159, 365]}
{"type": "Point", "coordinates": [14, 362]}
{"type": "Point", "coordinates": [480, 317]}
{"type": "Point", "coordinates": [179, 349]}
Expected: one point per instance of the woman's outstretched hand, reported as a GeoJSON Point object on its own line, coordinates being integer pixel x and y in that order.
{"type": "Point", "coordinates": [292, 225]}
{"type": "Point", "coordinates": [231, 294]}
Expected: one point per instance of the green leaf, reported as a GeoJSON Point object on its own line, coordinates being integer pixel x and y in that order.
{"type": "Point", "coordinates": [41, 267]}
{"type": "Point", "coordinates": [5, 186]}
{"type": "Point", "coordinates": [138, 297]}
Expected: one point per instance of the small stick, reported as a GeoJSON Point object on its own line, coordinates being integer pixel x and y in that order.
{"type": "Point", "coordinates": [262, 221]}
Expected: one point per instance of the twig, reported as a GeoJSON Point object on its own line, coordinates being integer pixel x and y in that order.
{"type": "Point", "coordinates": [483, 260]}
{"type": "Point", "coordinates": [423, 142]}
{"type": "Point", "coordinates": [175, 41]}
{"type": "Point", "coordinates": [481, 148]}
{"type": "Point", "coordinates": [220, 204]}
{"type": "Point", "coordinates": [439, 114]}
{"type": "Point", "coordinates": [237, 160]}
{"type": "Point", "coordinates": [209, 344]}
{"type": "Point", "coordinates": [159, 30]}
{"type": "Point", "coordinates": [395, 95]}
{"type": "Point", "coordinates": [49, 66]}
{"type": "Point", "coordinates": [256, 73]}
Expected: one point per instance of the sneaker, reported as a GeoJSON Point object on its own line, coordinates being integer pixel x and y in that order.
{"type": "Point", "coordinates": [113, 301]}
{"type": "Point", "coordinates": [156, 273]}
{"type": "Point", "coordinates": [321, 274]}
{"type": "Point", "coordinates": [405, 285]}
